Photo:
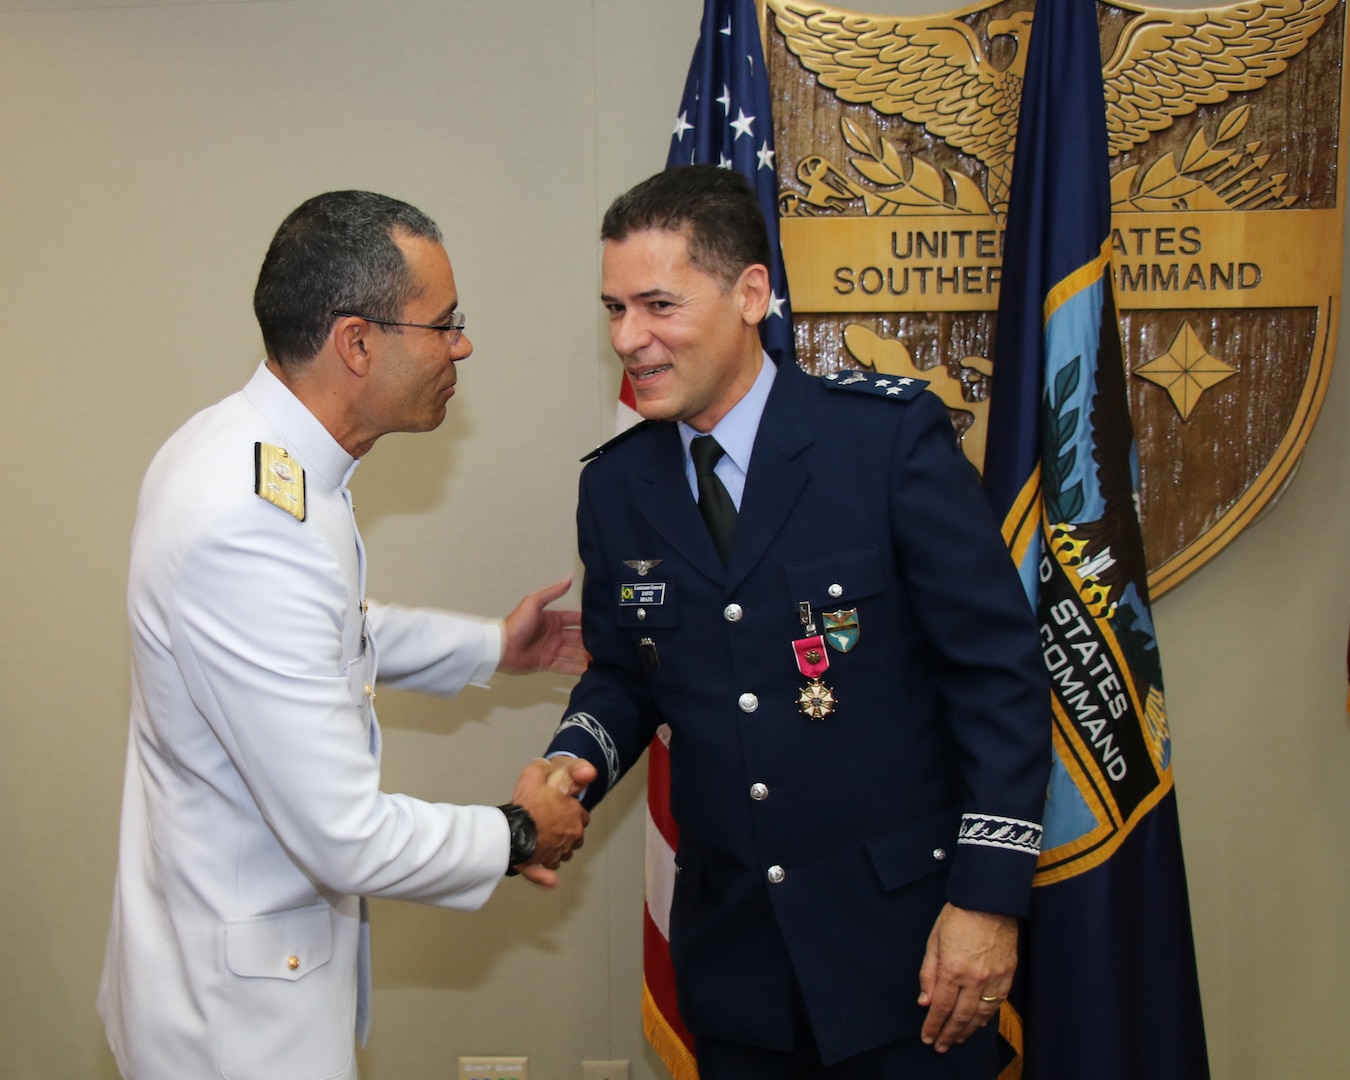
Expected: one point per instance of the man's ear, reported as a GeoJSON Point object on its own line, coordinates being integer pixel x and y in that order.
{"type": "Point", "coordinates": [351, 342]}
{"type": "Point", "coordinates": [753, 291]}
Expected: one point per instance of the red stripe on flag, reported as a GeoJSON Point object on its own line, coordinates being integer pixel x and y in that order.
{"type": "Point", "coordinates": [661, 1021]}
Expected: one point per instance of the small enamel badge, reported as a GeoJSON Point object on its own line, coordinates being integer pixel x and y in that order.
{"type": "Point", "coordinates": [279, 479]}
{"type": "Point", "coordinates": [841, 628]}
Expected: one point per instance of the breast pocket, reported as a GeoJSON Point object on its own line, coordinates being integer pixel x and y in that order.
{"type": "Point", "coordinates": [846, 592]}
{"type": "Point", "coordinates": [288, 1005]}
{"type": "Point", "coordinates": [648, 614]}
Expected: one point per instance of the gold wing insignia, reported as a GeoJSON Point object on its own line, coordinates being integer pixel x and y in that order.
{"type": "Point", "coordinates": [1167, 62]}
{"type": "Point", "coordinates": [934, 71]}
{"type": "Point", "coordinates": [931, 70]}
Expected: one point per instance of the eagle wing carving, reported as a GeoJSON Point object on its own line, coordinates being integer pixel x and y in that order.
{"type": "Point", "coordinates": [1167, 61]}
{"type": "Point", "coordinates": [933, 70]}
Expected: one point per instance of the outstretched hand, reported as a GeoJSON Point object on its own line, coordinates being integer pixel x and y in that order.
{"type": "Point", "coordinates": [549, 790]}
{"type": "Point", "coordinates": [537, 639]}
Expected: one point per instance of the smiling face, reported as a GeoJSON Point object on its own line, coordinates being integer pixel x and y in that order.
{"type": "Point", "coordinates": [689, 343]}
{"type": "Point", "coordinates": [414, 368]}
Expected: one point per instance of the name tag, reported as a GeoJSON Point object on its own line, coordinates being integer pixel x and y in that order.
{"type": "Point", "coordinates": [645, 594]}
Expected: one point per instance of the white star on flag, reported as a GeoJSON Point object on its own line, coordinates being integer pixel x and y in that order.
{"type": "Point", "coordinates": [742, 123]}
{"type": "Point", "coordinates": [765, 156]}
{"type": "Point", "coordinates": [725, 100]}
{"type": "Point", "coordinates": [682, 125]}
{"type": "Point", "coordinates": [775, 305]}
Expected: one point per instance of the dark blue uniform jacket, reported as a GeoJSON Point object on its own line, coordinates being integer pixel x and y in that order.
{"type": "Point", "coordinates": [817, 848]}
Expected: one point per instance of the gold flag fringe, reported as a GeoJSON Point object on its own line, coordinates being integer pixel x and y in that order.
{"type": "Point", "coordinates": [678, 1057]}
{"type": "Point", "coordinates": [1010, 1029]}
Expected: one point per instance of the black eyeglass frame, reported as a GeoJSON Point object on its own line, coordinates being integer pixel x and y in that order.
{"type": "Point", "coordinates": [456, 322]}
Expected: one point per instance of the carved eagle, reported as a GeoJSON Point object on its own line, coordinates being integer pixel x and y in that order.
{"type": "Point", "coordinates": [933, 69]}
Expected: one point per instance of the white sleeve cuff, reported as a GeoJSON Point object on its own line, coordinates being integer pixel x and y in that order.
{"type": "Point", "coordinates": [492, 654]}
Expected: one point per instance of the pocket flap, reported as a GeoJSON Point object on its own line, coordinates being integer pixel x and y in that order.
{"type": "Point", "coordinates": [921, 848]}
{"type": "Point", "coordinates": [287, 945]}
{"type": "Point", "coordinates": [832, 581]}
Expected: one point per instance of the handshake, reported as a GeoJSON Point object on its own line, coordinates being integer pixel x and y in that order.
{"type": "Point", "coordinates": [550, 791]}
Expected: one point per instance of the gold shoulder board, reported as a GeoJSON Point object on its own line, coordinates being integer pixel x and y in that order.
{"type": "Point", "coordinates": [279, 479]}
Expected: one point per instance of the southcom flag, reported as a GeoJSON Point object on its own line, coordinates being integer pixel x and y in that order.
{"type": "Point", "coordinates": [1107, 985]}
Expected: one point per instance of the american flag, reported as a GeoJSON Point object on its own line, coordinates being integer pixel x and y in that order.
{"type": "Point", "coordinates": [724, 119]}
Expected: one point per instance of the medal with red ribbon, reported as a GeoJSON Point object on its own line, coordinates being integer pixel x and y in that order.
{"type": "Point", "coordinates": [815, 700]}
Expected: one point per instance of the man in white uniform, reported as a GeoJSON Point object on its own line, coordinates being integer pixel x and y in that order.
{"type": "Point", "coordinates": [253, 824]}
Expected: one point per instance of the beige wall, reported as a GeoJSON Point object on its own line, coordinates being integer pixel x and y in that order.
{"type": "Point", "coordinates": [146, 154]}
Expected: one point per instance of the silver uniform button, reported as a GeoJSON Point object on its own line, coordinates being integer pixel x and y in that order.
{"type": "Point", "coordinates": [748, 703]}
{"type": "Point", "coordinates": [732, 613]}
{"type": "Point", "coordinates": [776, 875]}
{"type": "Point", "coordinates": [939, 853]}
{"type": "Point", "coordinates": [759, 792]}
{"type": "Point", "coordinates": [836, 591]}
{"type": "Point", "coordinates": [642, 613]}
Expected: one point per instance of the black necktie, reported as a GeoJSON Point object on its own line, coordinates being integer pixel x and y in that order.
{"type": "Point", "coordinates": [719, 512]}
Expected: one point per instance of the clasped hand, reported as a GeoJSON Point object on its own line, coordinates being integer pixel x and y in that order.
{"type": "Point", "coordinates": [549, 790]}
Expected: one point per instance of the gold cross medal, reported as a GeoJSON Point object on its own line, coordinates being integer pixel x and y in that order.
{"type": "Point", "coordinates": [816, 700]}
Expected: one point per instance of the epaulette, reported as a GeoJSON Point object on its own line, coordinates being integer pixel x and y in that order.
{"type": "Point", "coordinates": [624, 434]}
{"type": "Point", "coordinates": [896, 387]}
{"type": "Point", "coordinates": [278, 478]}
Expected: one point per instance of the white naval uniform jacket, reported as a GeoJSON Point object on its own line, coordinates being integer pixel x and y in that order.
{"type": "Point", "coordinates": [252, 816]}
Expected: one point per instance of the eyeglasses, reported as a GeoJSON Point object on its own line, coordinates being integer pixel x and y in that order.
{"type": "Point", "coordinates": [454, 327]}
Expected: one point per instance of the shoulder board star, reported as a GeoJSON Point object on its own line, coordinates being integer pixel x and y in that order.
{"type": "Point", "coordinates": [620, 437]}
{"type": "Point", "coordinates": [898, 387]}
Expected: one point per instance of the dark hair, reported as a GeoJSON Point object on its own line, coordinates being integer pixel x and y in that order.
{"type": "Point", "coordinates": [335, 252]}
{"type": "Point", "coordinates": [714, 208]}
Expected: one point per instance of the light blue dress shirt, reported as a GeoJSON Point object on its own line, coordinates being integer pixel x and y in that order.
{"type": "Point", "coordinates": [735, 432]}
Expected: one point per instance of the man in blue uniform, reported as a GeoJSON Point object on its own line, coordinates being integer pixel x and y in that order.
{"type": "Point", "coordinates": [801, 577]}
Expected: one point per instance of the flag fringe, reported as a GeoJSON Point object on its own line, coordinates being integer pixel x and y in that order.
{"type": "Point", "coordinates": [678, 1057]}
{"type": "Point", "coordinates": [1010, 1030]}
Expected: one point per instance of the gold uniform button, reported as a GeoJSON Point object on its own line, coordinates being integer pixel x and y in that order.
{"type": "Point", "coordinates": [293, 962]}
{"type": "Point", "coordinates": [370, 692]}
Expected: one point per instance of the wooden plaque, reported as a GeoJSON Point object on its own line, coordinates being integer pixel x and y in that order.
{"type": "Point", "coordinates": [1227, 129]}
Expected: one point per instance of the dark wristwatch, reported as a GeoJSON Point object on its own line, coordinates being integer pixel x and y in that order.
{"type": "Point", "coordinates": [524, 836]}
